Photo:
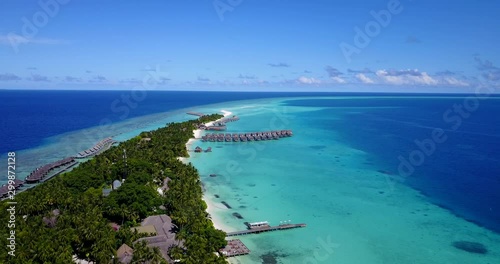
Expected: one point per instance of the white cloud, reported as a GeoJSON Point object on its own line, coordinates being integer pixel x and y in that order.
{"type": "Point", "coordinates": [406, 77]}
{"type": "Point", "coordinates": [306, 80]}
{"type": "Point", "coordinates": [338, 79]}
{"type": "Point", "coordinates": [455, 81]}
{"type": "Point", "coordinates": [364, 79]}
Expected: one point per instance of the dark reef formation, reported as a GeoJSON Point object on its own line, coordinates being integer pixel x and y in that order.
{"type": "Point", "coordinates": [272, 257]}
{"type": "Point", "coordinates": [472, 247]}
{"type": "Point", "coordinates": [237, 215]}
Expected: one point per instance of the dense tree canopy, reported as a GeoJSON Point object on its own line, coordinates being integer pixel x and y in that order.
{"type": "Point", "coordinates": [82, 222]}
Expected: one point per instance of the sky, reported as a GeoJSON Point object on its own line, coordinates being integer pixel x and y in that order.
{"type": "Point", "coordinates": [251, 45]}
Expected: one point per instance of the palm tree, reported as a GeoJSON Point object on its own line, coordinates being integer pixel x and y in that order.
{"type": "Point", "coordinates": [124, 212]}
{"type": "Point", "coordinates": [157, 257]}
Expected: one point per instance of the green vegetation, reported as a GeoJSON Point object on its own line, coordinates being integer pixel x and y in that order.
{"type": "Point", "coordinates": [82, 227]}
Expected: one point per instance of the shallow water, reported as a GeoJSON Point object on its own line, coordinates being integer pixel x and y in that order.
{"type": "Point", "coordinates": [355, 212]}
{"type": "Point", "coordinates": [329, 175]}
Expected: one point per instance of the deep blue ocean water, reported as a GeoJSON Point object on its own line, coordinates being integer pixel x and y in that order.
{"type": "Point", "coordinates": [462, 174]}
{"type": "Point", "coordinates": [27, 117]}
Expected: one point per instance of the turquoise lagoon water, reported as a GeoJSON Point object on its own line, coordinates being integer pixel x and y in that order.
{"type": "Point", "coordinates": [354, 210]}
{"type": "Point", "coordinates": [334, 174]}
{"type": "Point", "coordinates": [68, 144]}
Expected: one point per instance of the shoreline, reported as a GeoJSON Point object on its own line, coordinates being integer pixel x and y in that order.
{"type": "Point", "coordinates": [211, 208]}
{"type": "Point", "coordinates": [76, 184]}
{"type": "Point", "coordinates": [218, 212]}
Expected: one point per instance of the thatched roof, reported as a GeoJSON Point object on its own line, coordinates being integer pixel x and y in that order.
{"type": "Point", "coordinates": [124, 254]}
{"type": "Point", "coordinates": [165, 236]}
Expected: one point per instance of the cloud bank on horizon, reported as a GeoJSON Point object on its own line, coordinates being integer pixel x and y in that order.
{"type": "Point", "coordinates": [360, 45]}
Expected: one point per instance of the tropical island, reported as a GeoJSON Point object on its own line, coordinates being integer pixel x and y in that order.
{"type": "Point", "coordinates": [72, 217]}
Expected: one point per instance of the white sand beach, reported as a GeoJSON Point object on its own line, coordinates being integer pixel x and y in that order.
{"type": "Point", "coordinates": [211, 208]}
{"type": "Point", "coordinates": [197, 135]}
{"type": "Point", "coordinates": [342, 197]}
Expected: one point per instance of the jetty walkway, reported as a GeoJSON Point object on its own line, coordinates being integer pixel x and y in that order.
{"type": "Point", "coordinates": [236, 248]}
{"type": "Point", "coordinates": [225, 120]}
{"type": "Point", "coordinates": [195, 114]}
{"type": "Point", "coordinates": [219, 125]}
{"type": "Point", "coordinates": [264, 227]}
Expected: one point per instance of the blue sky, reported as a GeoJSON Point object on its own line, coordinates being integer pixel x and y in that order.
{"type": "Point", "coordinates": [317, 45]}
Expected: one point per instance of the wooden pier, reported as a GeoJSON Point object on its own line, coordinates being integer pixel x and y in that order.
{"type": "Point", "coordinates": [216, 128]}
{"type": "Point", "coordinates": [265, 228]}
{"type": "Point", "coordinates": [195, 114]}
{"type": "Point", "coordinates": [245, 137]}
{"type": "Point", "coordinates": [225, 120]}
{"type": "Point", "coordinates": [220, 124]}
{"type": "Point", "coordinates": [234, 248]}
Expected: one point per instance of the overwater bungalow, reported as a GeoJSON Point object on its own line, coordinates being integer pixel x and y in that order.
{"type": "Point", "coordinates": [198, 149]}
{"type": "Point", "coordinates": [244, 137]}
{"type": "Point", "coordinates": [99, 146]}
{"type": "Point", "coordinates": [39, 173]}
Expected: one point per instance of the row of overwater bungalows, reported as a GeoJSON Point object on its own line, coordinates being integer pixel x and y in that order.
{"type": "Point", "coordinates": [244, 137]}
{"type": "Point", "coordinates": [39, 173]}
{"type": "Point", "coordinates": [95, 149]}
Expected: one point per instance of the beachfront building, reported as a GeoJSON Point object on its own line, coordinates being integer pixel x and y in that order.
{"type": "Point", "coordinates": [161, 235]}
{"type": "Point", "coordinates": [125, 254]}
{"type": "Point", "coordinates": [258, 224]}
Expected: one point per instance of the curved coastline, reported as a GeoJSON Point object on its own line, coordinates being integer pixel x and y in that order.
{"type": "Point", "coordinates": [70, 143]}
{"type": "Point", "coordinates": [243, 105]}
{"type": "Point", "coordinates": [66, 194]}
{"type": "Point", "coordinates": [211, 208]}
{"type": "Point", "coordinates": [414, 215]}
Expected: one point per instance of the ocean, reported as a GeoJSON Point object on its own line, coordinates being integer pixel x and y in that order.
{"type": "Point", "coordinates": [29, 117]}
{"type": "Point", "coordinates": [377, 178]}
